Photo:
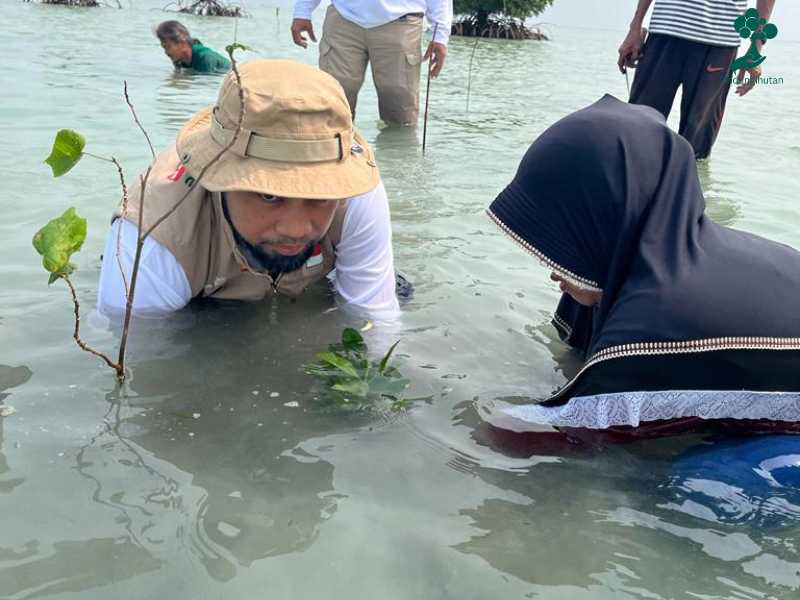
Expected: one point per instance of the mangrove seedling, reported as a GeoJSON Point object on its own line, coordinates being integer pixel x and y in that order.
{"type": "Point", "coordinates": [351, 381]}
{"type": "Point", "coordinates": [56, 242]}
{"type": "Point", "coordinates": [63, 236]}
{"type": "Point", "coordinates": [207, 8]}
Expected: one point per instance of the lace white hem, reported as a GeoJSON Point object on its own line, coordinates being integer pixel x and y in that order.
{"type": "Point", "coordinates": [632, 408]}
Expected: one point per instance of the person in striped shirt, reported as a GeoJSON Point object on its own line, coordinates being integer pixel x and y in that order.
{"type": "Point", "coordinates": [692, 44]}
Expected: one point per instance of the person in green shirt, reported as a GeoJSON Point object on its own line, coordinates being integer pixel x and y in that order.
{"type": "Point", "coordinates": [187, 52]}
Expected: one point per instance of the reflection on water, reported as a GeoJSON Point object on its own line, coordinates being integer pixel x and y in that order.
{"type": "Point", "coordinates": [180, 95]}
{"type": "Point", "coordinates": [213, 475]}
{"type": "Point", "coordinates": [199, 459]}
{"type": "Point", "coordinates": [620, 537]}
{"type": "Point", "coordinates": [10, 377]}
{"type": "Point", "coordinates": [749, 480]}
{"type": "Point", "coordinates": [719, 194]}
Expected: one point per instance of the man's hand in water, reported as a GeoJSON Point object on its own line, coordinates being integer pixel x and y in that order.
{"type": "Point", "coordinates": [299, 27]}
{"type": "Point", "coordinates": [580, 295]}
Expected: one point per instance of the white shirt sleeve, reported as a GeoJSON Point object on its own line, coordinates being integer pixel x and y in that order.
{"type": "Point", "coordinates": [440, 16]}
{"type": "Point", "coordinates": [161, 286]}
{"type": "Point", "coordinates": [364, 260]}
{"type": "Point", "coordinates": [304, 8]}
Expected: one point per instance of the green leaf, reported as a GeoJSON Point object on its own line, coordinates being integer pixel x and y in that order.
{"type": "Point", "coordinates": [321, 371]}
{"type": "Point", "coordinates": [352, 340]}
{"type": "Point", "coordinates": [67, 151]}
{"type": "Point", "coordinates": [337, 361]}
{"type": "Point", "coordinates": [230, 48]}
{"type": "Point", "coordinates": [58, 240]}
{"type": "Point", "coordinates": [53, 278]}
{"type": "Point", "coordinates": [385, 359]}
{"type": "Point", "coordinates": [356, 387]}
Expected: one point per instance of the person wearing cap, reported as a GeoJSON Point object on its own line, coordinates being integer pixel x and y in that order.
{"type": "Point", "coordinates": [296, 196]}
{"type": "Point", "coordinates": [388, 36]}
{"type": "Point", "coordinates": [187, 52]}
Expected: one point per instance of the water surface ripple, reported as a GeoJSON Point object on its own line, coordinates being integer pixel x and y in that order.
{"type": "Point", "coordinates": [198, 481]}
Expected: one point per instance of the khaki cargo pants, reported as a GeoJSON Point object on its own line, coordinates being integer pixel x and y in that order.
{"type": "Point", "coordinates": [394, 52]}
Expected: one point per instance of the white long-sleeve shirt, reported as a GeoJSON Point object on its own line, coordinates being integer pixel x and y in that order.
{"type": "Point", "coordinates": [374, 13]}
{"type": "Point", "coordinates": [364, 265]}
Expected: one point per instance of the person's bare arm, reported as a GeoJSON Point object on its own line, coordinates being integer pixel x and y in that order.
{"type": "Point", "coordinates": [764, 8]}
{"type": "Point", "coordinates": [631, 46]}
{"type": "Point", "coordinates": [440, 15]}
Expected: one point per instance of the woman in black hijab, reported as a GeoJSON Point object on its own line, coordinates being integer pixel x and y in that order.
{"type": "Point", "coordinates": [677, 317]}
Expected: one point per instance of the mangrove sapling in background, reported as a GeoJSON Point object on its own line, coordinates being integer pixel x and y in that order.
{"type": "Point", "coordinates": [64, 236]}
{"type": "Point", "coordinates": [351, 381]}
{"type": "Point", "coordinates": [497, 18]}
{"type": "Point", "coordinates": [83, 3]}
{"type": "Point", "coordinates": [207, 8]}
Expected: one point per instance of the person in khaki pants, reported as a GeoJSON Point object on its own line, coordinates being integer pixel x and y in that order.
{"type": "Point", "coordinates": [386, 34]}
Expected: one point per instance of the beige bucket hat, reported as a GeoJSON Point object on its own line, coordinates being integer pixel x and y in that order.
{"type": "Point", "coordinates": [297, 138]}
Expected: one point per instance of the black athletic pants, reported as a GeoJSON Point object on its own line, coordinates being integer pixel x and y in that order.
{"type": "Point", "coordinates": [704, 72]}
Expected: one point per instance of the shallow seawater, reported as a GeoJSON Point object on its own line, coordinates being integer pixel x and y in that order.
{"type": "Point", "coordinates": [213, 474]}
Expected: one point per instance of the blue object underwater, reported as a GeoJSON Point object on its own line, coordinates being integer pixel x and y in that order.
{"type": "Point", "coordinates": [741, 480]}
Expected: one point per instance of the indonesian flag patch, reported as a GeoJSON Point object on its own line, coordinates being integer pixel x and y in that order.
{"type": "Point", "coordinates": [316, 257]}
{"type": "Point", "coordinates": [178, 174]}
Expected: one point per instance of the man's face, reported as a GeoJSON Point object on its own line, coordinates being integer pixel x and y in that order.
{"type": "Point", "coordinates": [177, 51]}
{"type": "Point", "coordinates": [282, 231]}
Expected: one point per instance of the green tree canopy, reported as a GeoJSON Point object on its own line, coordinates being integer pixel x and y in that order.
{"type": "Point", "coordinates": [520, 9]}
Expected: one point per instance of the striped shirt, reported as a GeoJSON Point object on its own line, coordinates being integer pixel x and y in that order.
{"type": "Point", "coordinates": [705, 21]}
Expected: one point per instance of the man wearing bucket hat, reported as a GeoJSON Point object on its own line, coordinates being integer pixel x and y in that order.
{"type": "Point", "coordinates": [295, 197]}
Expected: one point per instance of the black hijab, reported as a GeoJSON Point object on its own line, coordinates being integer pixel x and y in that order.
{"type": "Point", "coordinates": [609, 198]}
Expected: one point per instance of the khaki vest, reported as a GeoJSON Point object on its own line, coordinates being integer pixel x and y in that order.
{"type": "Point", "coordinates": [199, 236]}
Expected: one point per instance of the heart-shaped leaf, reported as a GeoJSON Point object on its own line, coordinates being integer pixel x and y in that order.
{"type": "Point", "coordinates": [58, 240]}
{"type": "Point", "coordinates": [67, 151]}
{"type": "Point", "coordinates": [352, 340]}
{"type": "Point", "coordinates": [344, 365]}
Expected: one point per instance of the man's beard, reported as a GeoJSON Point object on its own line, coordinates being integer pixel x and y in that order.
{"type": "Point", "coordinates": [259, 259]}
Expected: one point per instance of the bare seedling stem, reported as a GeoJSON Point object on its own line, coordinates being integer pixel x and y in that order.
{"type": "Point", "coordinates": [428, 91]}
{"type": "Point", "coordinates": [142, 235]}
{"type": "Point", "coordinates": [123, 343]}
{"type": "Point", "coordinates": [227, 147]}
{"type": "Point", "coordinates": [83, 345]}
{"type": "Point", "coordinates": [469, 74]}
{"type": "Point", "coordinates": [135, 118]}
{"type": "Point", "coordinates": [119, 232]}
